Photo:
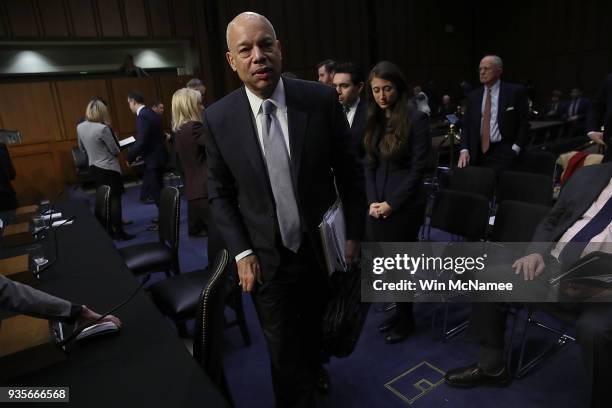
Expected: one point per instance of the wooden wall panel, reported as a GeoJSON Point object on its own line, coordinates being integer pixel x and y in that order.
{"type": "Point", "coordinates": [4, 31]}
{"type": "Point", "coordinates": [73, 97]}
{"type": "Point", "coordinates": [37, 175]}
{"type": "Point", "coordinates": [110, 18]}
{"type": "Point", "coordinates": [136, 18]}
{"type": "Point", "coordinates": [82, 17]}
{"type": "Point", "coordinates": [21, 18]}
{"type": "Point", "coordinates": [168, 85]}
{"type": "Point", "coordinates": [29, 108]}
{"type": "Point", "coordinates": [64, 165]}
{"type": "Point", "coordinates": [184, 17]}
{"type": "Point", "coordinates": [160, 21]}
{"type": "Point", "coordinates": [126, 120]}
{"type": "Point", "coordinates": [53, 16]}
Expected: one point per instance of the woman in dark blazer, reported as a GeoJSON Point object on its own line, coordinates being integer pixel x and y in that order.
{"type": "Point", "coordinates": [397, 144]}
{"type": "Point", "coordinates": [187, 125]}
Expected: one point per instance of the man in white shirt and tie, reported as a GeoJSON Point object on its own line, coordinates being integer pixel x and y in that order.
{"type": "Point", "coordinates": [495, 126]}
{"type": "Point", "coordinates": [349, 82]}
{"type": "Point", "coordinates": [579, 223]}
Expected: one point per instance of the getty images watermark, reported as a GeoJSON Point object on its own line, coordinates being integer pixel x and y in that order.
{"type": "Point", "coordinates": [478, 272]}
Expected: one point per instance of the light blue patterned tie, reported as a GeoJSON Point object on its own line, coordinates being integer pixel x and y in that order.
{"type": "Point", "coordinates": [279, 171]}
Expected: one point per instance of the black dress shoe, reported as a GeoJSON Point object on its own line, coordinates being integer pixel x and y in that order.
{"type": "Point", "coordinates": [474, 376]}
{"type": "Point", "coordinates": [389, 323]}
{"type": "Point", "coordinates": [323, 381]}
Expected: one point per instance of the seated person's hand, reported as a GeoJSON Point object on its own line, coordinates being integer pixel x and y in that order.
{"type": "Point", "coordinates": [530, 266]}
{"type": "Point", "coordinates": [88, 316]}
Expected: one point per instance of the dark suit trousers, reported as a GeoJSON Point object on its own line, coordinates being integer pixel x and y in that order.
{"type": "Point", "coordinates": [152, 183]}
{"type": "Point", "coordinates": [290, 307]}
{"type": "Point", "coordinates": [198, 215]}
{"type": "Point", "coordinates": [593, 332]}
{"type": "Point", "coordinates": [499, 157]}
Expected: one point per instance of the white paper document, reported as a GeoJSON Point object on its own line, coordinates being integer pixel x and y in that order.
{"type": "Point", "coordinates": [127, 141]}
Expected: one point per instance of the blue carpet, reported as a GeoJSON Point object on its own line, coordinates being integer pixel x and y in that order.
{"type": "Point", "coordinates": [359, 380]}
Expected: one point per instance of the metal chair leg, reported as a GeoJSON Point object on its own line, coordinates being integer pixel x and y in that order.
{"type": "Point", "coordinates": [523, 368]}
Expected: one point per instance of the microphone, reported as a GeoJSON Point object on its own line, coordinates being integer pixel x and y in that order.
{"type": "Point", "coordinates": [78, 331]}
{"type": "Point", "coordinates": [48, 264]}
{"type": "Point", "coordinates": [47, 213]}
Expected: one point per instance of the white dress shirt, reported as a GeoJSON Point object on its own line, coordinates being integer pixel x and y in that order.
{"type": "Point", "coordinates": [495, 134]}
{"type": "Point", "coordinates": [601, 241]}
{"type": "Point", "coordinates": [139, 109]}
{"type": "Point", "coordinates": [350, 115]}
{"type": "Point", "coordinates": [278, 99]}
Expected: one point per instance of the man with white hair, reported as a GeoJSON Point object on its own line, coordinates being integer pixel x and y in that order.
{"type": "Point", "coordinates": [495, 126]}
{"type": "Point", "coordinates": [274, 149]}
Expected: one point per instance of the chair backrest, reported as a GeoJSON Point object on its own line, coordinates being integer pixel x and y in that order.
{"type": "Point", "coordinates": [81, 162]}
{"type": "Point", "coordinates": [102, 206]}
{"type": "Point", "coordinates": [204, 314]}
{"type": "Point", "coordinates": [169, 216]}
{"type": "Point", "coordinates": [538, 162]}
{"type": "Point", "coordinates": [526, 187]}
{"type": "Point", "coordinates": [461, 213]}
{"type": "Point", "coordinates": [516, 221]}
{"type": "Point", "coordinates": [472, 179]}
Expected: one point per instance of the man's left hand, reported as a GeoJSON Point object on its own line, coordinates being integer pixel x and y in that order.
{"type": "Point", "coordinates": [352, 251]}
{"type": "Point", "coordinates": [531, 266]}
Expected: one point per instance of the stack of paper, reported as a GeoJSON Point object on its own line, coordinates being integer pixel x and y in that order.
{"type": "Point", "coordinates": [333, 236]}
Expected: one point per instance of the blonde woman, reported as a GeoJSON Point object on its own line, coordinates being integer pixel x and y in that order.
{"type": "Point", "coordinates": [97, 139]}
{"type": "Point", "coordinates": [188, 142]}
{"type": "Point", "coordinates": [187, 125]}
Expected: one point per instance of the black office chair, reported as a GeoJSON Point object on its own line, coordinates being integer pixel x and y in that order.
{"type": "Point", "coordinates": [473, 179]}
{"type": "Point", "coordinates": [525, 187]}
{"type": "Point", "coordinates": [515, 221]}
{"type": "Point", "coordinates": [102, 207]}
{"type": "Point", "coordinates": [81, 166]}
{"type": "Point", "coordinates": [464, 215]}
{"type": "Point", "coordinates": [143, 259]}
{"type": "Point", "coordinates": [178, 297]}
{"type": "Point", "coordinates": [538, 162]}
{"type": "Point", "coordinates": [461, 214]}
{"type": "Point", "coordinates": [206, 351]}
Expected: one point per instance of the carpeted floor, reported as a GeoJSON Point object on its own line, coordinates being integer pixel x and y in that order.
{"type": "Point", "coordinates": [370, 375]}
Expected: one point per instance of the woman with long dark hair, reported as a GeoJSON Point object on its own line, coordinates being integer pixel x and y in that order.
{"type": "Point", "coordinates": [397, 144]}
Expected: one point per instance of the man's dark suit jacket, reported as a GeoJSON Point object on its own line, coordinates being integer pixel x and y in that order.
{"type": "Point", "coordinates": [552, 112]}
{"type": "Point", "coordinates": [578, 194]}
{"type": "Point", "coordinates": [601, 113]}
{"type": "Point", "coordinates": [149, 140]}
{"type": "Point", "coordinates": [511, 118]}
{"type": "Point", "coordinates": [358, 127]}
{"type": "Point", "coordinates": [400, 182]}
{"type": "Point", "coordinates": [584, 106]}
{"type": "Point", "coordinates": [193, 159]}
{"type": "Point", "coordinates": [239, 189]}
